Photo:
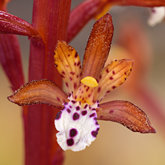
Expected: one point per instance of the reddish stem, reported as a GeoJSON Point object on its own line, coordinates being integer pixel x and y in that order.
{"type": "Point", "coordinates": [50, 18]}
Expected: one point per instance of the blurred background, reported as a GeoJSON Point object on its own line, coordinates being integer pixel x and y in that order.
{"type": "Point", "coordinates": [115, 144]}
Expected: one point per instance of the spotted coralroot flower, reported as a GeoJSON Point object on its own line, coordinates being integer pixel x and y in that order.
{"type": "Point", "coordinates": [157, 16]}
{"type": "Point", "coordinates": [85, 86]}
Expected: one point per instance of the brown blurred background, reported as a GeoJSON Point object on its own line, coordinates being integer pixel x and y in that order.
{"type": "Point", "coordinates": [115, 144]}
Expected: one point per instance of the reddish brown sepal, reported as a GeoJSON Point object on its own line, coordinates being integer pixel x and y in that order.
{"type": "Point", "coordinates": [127, 114]}
{"type": "Point", "coordinates": [37, 92]}
{"type": "Point", "coordinates": [15, 25]}
{"type": "Point", "coordinates": [98, 47]}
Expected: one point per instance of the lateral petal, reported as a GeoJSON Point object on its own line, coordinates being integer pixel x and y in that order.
{"type": "Point", "coordinates": [126, 114]}
{"type": "Point", "coordinates": [68, 65]}
{"type": "Point", "coordinates": [98, 47]}
{"type": "Point", "coordinates": [36, 92]}
{"type": "Point", "coordinates": [112, 76]}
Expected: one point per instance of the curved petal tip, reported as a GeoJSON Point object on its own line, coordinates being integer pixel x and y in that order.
{"type": "Point", "coordinates": [127, 114]}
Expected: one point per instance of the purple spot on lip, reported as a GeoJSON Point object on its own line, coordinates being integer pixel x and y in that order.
{"type": "Point", "coordinates": [94, 133]}
{"type": "Point", "coordinates": [77, 108]}
{"type": "Point", "coordinates": [84, 113]}
{"type": "Point", "coordinates": [70, 142]}
{"type": "Point", "coordinates": [85, 106]}
{"type": "Point", "coordinates": [73, 101]}
{"type": "Point", "coordinates": [92, 115]}
{"type": "Point", "coordinates": [73, 132]}
{"type": "Point", "coordinates": [58, 115]}
{"type": "Point", "coordinates": [76, 116]}
{"type": "Point", "coordinates": [68, 110]}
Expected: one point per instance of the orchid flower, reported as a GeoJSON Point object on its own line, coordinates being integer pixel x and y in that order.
{"type": "Point", "coordinates": [80, 105]}
{"type": "Point", "coordinates": [157, 15]}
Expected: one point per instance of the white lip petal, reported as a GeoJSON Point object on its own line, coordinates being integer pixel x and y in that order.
{"type": "Point", "coordinates": [157, 15]}
{"type": "Point", "coordinates": [77, 126]}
